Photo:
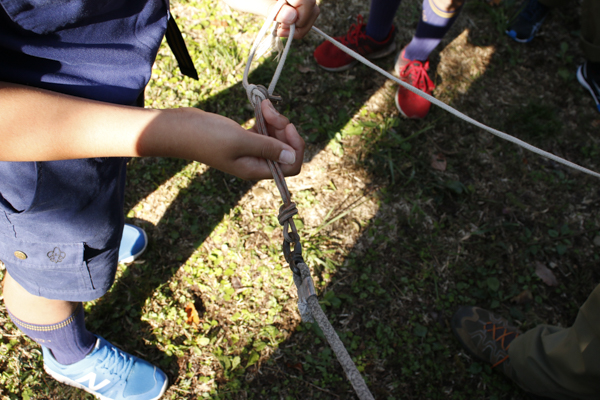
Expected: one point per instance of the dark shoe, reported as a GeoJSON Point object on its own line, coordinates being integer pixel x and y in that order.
{"type": "Point", "coordinates": [485, 336]}
{"type": "Point", "coordinates": [528, 21]}
{"type": "Point", "coordinates": [333, 59]}
{"type": "Point", "coordinates": [588, 74]}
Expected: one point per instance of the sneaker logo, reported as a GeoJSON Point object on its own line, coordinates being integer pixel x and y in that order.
{"type": "Point", "coordinates": [91, 378]}
{"type": "Point", "coordinates": [56, 255]}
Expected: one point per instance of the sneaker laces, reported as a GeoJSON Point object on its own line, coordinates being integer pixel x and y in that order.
{"type": "Point", "coordinates": [355, 33]}
{"type": "Point", "coordinates": [116, 362]}
{"type": "Point", "coordinates": [505, 337]}
{"type": "Point", "coordinates": [415, 74]}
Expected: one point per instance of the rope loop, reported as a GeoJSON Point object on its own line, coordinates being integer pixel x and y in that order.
{"type": "Point", "coordinates": [286, 212]}
{"type": "Point", "coordinates": [270, 18]}
{"type": "Point", "coordinates": [256, 93]}
{"type": "Point", "coordinates": [306, 293]}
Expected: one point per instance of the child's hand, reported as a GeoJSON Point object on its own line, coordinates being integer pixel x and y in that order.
{"type": "Point", "coordinates": [62, 127]}
{"type": "Point", "coordinates": [301, 12]}
{"type": "Point", "coordinates": [222, 143]}
{"type": "Point", "coordinates": [289, 157]}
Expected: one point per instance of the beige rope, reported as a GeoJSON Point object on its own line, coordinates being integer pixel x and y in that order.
{"type": "Point", "coordinates": [453, 111]}
{"type": "Point", "coordinates": [308, 303]}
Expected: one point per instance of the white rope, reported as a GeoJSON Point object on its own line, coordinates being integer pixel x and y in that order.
{"type": "Point", "coordinates": [452, 111]}
{"type": "Point", "coordinates": [256, 95]}
{"type": "Point", "coordinates": [251, 92]}
{"type": "Point", "coordinates": [308, 303]}
{"type": "Point", "coordinates": [257, 43]}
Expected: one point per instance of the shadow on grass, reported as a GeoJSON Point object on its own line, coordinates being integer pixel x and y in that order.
{"type": "Point", "coordinates": [468, 235]}
{"type": "Point", "coordinates": [187, 222]}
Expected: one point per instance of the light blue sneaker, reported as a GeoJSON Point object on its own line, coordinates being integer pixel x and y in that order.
{"type": "Point", "coordinates": [110, 374]}
{"type": "Point", "coordinates": [133, 243]}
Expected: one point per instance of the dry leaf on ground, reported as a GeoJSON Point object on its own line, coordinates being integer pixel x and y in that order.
{"type": "Point", "coordinates": [545, 274]}
{"type": "Point", "coordinates": [304, 69]}
{"type": "Point", "coordinates": [524, 297]}
{"type": "Point", "coordinates": [192, 314]}
{"type": "Point", "coordinates": [236, 283]}
{"type": "Point", "coordinates": [438, 162]}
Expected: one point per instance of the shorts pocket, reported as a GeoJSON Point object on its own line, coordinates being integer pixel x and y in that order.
{"type": "Point", "coordinates": [46, 269]}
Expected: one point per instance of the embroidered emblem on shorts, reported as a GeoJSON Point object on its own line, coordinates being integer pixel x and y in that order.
{"type": "Point", "coordinates": [56, 255]}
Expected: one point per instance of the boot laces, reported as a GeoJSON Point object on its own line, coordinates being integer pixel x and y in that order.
{"type": "Point", "coordinates": [502, 335]}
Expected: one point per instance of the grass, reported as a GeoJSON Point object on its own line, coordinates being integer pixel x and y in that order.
{"type": "Point", "coordinates": [395, 245]}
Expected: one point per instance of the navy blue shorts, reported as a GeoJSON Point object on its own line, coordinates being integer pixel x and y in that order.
{"type": "Point", "coordinates": [61, 224]}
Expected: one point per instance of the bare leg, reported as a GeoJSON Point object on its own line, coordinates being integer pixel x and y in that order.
{"type": "Point", "coordinates": [34, 309]}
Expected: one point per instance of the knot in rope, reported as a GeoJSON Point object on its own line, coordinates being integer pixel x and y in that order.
{"type": "Point", "coordinates": [286, 212]}
{"type": "Point", "coordinates": [256, 93]}
{"type": "Point", "coordinates": [308, 304]}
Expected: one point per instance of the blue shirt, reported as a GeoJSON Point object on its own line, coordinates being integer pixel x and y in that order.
{"type": "Point", "coordinates": [96, 49]}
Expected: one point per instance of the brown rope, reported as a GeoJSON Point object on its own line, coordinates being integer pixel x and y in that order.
{"type": "Point", "coordinates": [308, 304]}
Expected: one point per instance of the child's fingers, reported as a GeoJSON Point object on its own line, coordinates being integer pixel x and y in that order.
{"type": "Point", "coordinates": [287, 15]}
{"type": "Point", "coordinates": [281, 129]}
{"type": "Point", "coordinates": [253, 145]}
{"type": "Point", "coordinates": [297, 143]}
{"type": "Point", "coordinates": [301, 12]}
{"type": "Point", "coordinates": [284, 145]}
{"type": "Point", "coordinates": [273, 119]}
{"type": "Point", "coordinates": [289, 155]}
{"type": "Point", "coordinates": [308, 11]}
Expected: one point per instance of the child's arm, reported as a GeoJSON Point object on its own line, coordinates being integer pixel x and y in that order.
{"type": "Point", "coordinates": [39, 125]}
{"type": "Point", "coordinates": [301, 12]}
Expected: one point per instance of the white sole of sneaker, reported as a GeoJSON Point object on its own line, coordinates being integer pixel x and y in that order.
{"type": "Point", "coordinates": [70, 382]}
{"type": "Point", "coordinates": [398, 104]}
{"type": "Point", "coordinates": [373, 56]}
{"type": "Point", "coordinates": [584, 83]}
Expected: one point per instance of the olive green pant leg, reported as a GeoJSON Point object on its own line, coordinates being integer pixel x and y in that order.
{"type": "Point", "coordinates": [561, 363]}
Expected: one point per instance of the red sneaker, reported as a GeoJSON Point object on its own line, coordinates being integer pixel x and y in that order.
{"type": "Point", "coordinates": [333, 59]}
{"type": "Point", "coordinates": [414, 73]}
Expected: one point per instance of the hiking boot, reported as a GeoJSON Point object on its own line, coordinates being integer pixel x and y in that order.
{"type": "Point", "coordinates": [588, 74]}
{"type": "Point", "coordinates": [413, 72]}
{"type": "Point", "coordinates": [133, 243]}
{"type": "Point", "coordinates": [332, 59]}
{"type": "Point", "coordinates": [109, 374]}
{"type": "Point", "coordinates": [528, 21]}
{"type": "Point", "coordinates": [485, 336]}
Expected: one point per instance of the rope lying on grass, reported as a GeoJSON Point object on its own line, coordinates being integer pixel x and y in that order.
{"type": "Point", "coordinates": [308, 304]}
{"type": "Point", "coordinates": [455, 112]}
{"type": "Point", "coordinates": [413, 89]}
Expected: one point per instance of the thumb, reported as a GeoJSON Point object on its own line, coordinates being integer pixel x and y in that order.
{"type": "Point", "coordinates": [268, 148]}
